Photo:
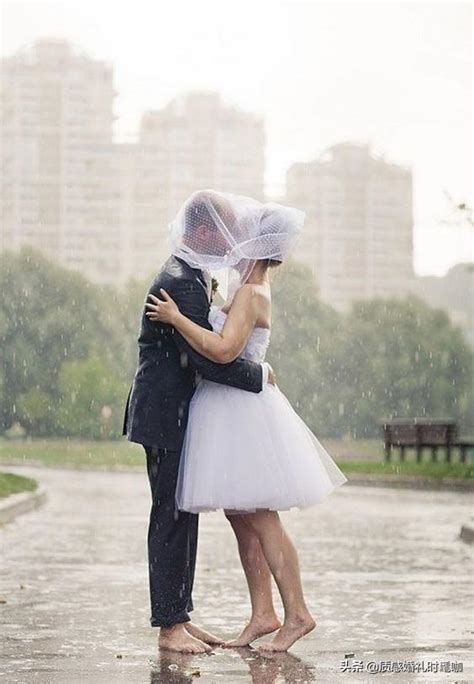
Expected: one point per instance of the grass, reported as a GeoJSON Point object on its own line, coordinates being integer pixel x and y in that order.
{"type": "Point", "coordinates": [72, 451]}
{"type": "Point", "coordinates": [356, 456]}
{"type": "Point", "coordinates": [355, 449]}
{"type": "Point", "coordinates": [411, 468]}
{"type": "Point", "coordinates": [12, 484]}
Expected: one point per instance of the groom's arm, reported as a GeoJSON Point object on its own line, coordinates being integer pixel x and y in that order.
{"type": "Point", "coordinates": [242, 373]}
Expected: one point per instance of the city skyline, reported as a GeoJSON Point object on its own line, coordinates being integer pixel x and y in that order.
{"type": "Point", "coordinates": [418, 121]}
{"type": "Point", "coordinates": [359, 218]}
{"type": "Point", "coordinates": [96, 205]}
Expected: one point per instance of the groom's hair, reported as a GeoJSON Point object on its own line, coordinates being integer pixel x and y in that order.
{"type": "Point", "coordinates": [198, 213]}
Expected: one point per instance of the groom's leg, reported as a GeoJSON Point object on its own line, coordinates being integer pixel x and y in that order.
{"type": "Point", "coordinates": [172, 543]}
{"type": "Point", "coordinates": [192, 564]}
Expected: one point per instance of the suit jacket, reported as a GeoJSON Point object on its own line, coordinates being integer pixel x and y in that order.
{"type": "Point", "coordinates": [157, 406]}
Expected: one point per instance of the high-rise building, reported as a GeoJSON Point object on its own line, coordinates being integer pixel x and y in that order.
{"type": "Point", "coordinates": [196, 142]}
{"type": "Point", "coordinates": [358, 237]}
{"type": "Point", "coordinates": [98, 206]}
{"type": "Point", "coordinates": [56, 115]}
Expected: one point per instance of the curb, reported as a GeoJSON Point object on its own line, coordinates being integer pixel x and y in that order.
{"type": "Point", "coordinates": [363, 479]}
{"type": "Point", "coordinates": [413, 482]}
{"type": "Point", "coordinates": [23, 502]}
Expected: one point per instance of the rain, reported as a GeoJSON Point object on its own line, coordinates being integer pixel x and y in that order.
{"type": "Point", "coordinates": [108, 125]}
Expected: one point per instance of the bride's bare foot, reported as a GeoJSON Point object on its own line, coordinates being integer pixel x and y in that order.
{"type": "Point", "coordinates": [177, 638]}
{"type": "Point", "coordinates": [203, 635]}
{"type": "Point", "coordinates": [291, 631]}
{"type": "Point", "coordinates": [256, 628]}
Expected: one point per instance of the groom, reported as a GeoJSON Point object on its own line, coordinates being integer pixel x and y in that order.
{"type": "Point", "coordinates": [156, 416]}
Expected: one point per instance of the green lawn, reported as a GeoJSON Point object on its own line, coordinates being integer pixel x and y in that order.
{"type": "Point", "coordinates": [355, 449]}
{"type": "Point", "coordinates": [356, 456]}
{"type": "Point", "coordinates": [58, 451]}
{"type": "Point", "coordinates": [12, 484]}
{"type": "Point", "coordinates": [427, 469]}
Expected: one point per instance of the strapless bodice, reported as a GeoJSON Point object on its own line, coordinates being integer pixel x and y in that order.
{"type": "Point", "coordinates": [257, 343]}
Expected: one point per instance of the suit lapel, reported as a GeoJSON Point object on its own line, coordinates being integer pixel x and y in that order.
{"type": "Point", "coordinates": [198, 275]}
{"type": "Point", "coordinates": [202, 283]}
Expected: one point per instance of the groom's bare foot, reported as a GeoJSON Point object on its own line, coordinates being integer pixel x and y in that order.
{"type": "Point", "coordinates": [291, 631]}
{"type": "Point", "coordinates": [177, 638]}
{"type": "Point", "coordinates": [203, 635]}
{"type": "Point", "coordinates": [256, 628]}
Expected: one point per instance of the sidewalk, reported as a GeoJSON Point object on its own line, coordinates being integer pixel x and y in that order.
{"type": "Point", "coordinates": [385, 574]}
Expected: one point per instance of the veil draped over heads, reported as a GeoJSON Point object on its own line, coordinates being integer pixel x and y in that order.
{"type": "Point", "coordinates": [226, 234]}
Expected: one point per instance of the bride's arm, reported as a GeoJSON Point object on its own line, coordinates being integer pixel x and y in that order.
{"type": "Point", "coordinates": [221, 347]}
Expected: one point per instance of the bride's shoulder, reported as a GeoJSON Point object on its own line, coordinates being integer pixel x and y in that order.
{"type": "Point", "coordinates": [250, 296]}
{"type": "Point", "coordinates": [248, 290]}
{"type": "Point", "coordinates": [256, 299]}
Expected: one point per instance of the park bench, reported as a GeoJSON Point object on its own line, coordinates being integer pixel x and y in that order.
{"type": "Point", "coordinates": [421, 433]}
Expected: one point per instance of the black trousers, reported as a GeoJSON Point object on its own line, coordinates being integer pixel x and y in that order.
{"type": "Point", "coordinates": [172, 543]}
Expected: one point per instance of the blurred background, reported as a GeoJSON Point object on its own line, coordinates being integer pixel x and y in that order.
{"type": "Point", "coordinates": [358, 113]}
{"type": "Point", "coordinates": [111, 114]}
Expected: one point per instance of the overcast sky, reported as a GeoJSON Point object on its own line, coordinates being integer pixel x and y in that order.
{"type": "Point", "coordinates": [396, 75]}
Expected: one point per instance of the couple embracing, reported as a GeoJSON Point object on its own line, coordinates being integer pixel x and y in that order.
{"type": "Point", "coordinates": [217, 431]}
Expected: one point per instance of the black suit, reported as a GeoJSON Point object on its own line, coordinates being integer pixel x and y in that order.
{"type": "Point", "coordinates": [156, 415]}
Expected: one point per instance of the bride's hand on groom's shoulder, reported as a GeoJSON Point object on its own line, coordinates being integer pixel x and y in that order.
{"type": "Point", "coordinates": [163, 310]}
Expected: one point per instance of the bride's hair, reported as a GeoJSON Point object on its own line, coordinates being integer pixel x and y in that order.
{"type": "Point", "coordinates": [272, 223]}
{"type": "Point", "coordinates": [272, 263]}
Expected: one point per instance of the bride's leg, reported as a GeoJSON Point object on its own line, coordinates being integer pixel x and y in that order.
{"type": "Point", "coordinates": [282, 558]}
{"type": "Point", "coordinates": [259, 579]}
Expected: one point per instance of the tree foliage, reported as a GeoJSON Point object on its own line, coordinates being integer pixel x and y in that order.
{"type": "Point", "coordinates": [68, 349]}
{"type": "Point", "coordinates": [48, 316]}
{"type": "Point", "coordinates": [385, 358]}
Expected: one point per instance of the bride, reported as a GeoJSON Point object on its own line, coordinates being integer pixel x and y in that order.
{"type": "Point", "coordinates": [250, 454]}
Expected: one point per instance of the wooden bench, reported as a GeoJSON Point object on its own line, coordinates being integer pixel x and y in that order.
{"type": "Point", "coordinates": [421, 433]}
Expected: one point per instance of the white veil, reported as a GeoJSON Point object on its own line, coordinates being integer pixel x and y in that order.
{"type": "Point", "coordinates": [226, 234]}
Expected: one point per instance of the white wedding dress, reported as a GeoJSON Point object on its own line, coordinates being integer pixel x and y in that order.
{"type": "Point", "coordinates": [245, 451]}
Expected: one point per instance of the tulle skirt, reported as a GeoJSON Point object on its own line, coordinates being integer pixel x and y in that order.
{"type": "Point", "coordinates": [244, 451]}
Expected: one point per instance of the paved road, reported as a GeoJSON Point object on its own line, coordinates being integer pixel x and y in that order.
{"type": "Point", "coordinates": [385, 574]}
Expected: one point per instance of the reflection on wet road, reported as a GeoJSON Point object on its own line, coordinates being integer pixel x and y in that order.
{"type": "Point", "coordinates": [384, 571]}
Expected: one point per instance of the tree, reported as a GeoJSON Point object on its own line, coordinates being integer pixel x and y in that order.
{"type": "Point", "coordinates": [69, 349]}
{"type": "Point", "coordinates": [385, 358]}
{"type": "Point", "coordinates": [122, 312]}
{"type": "Point", "coordinates": [304, 334]}
{"type": "Point", "coordinates": [401, 358]}
{"type": "Point", "coordinates": [36, 412]}
{"type": "Point", "coordinates": [91, 401]}
{"type": "Point", "coordinates": [47, 315]}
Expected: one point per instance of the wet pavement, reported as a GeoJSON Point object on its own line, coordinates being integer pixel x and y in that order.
{"type": "Point", "coordinates": [384, 570]}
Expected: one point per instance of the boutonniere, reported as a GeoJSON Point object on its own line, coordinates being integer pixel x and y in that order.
{"type": "Point", "coordinates": [214, 287]}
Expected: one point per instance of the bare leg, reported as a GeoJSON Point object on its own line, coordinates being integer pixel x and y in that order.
{"type": "Point", "coordinates": [263, 619]}
{"type": "Point", "coordinates": [282, 559]}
